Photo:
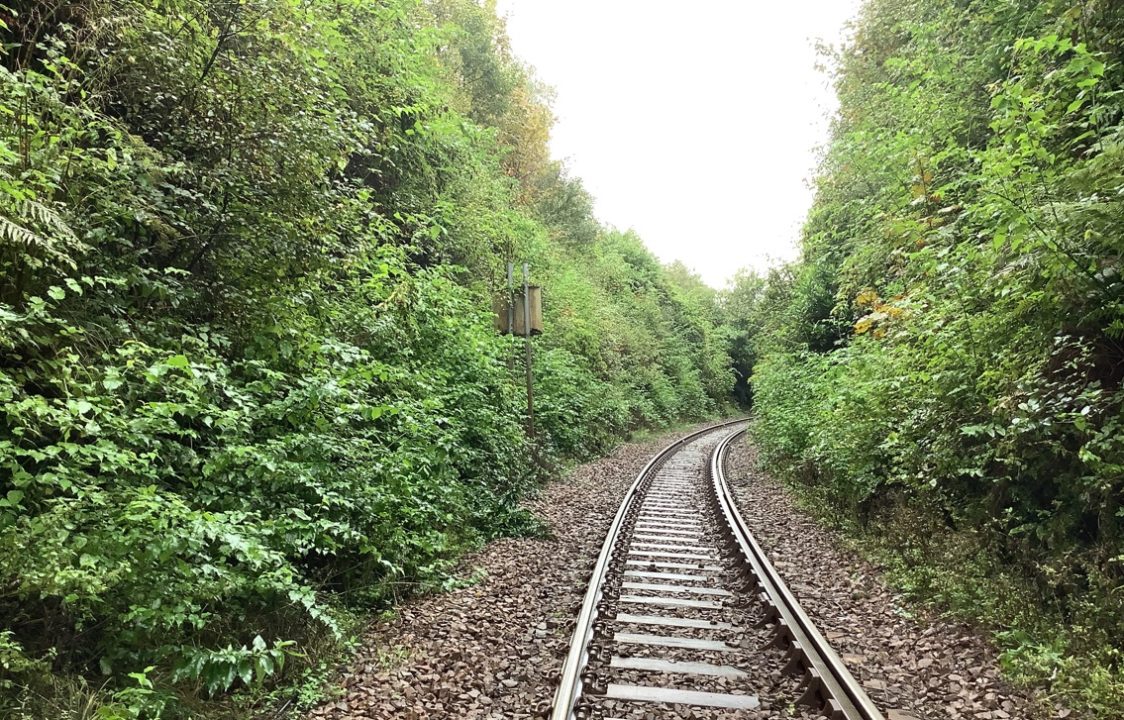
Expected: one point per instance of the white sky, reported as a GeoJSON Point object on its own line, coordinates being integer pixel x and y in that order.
{"type": "Point", "coordinates": [696, 124]}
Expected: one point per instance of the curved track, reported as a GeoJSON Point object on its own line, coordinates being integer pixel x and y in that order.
{"type": "Point", "coordinates": [685, 616]}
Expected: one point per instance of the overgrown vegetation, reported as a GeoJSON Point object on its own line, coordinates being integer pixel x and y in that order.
{"type": "Point", "coordinates": [248, 376]}
{"type": "Point", "coordinates": [942, 368]}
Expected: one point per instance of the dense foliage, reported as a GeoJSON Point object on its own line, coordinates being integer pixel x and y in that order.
{"type": "Point", "coordinates": [247, 369]}
{"type": "Point", "coordinates": [943, 366]}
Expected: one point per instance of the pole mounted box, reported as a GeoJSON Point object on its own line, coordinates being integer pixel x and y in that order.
{"type": "Point", "coordinates": [502, 305]}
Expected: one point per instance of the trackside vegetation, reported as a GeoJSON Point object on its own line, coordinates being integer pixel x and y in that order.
{"type": "Point", "coordinates": [251, 393]}
{"type": "Point", "coordinates": [249, 385]}
{"type": "Point", "coordinates": [941, 370]}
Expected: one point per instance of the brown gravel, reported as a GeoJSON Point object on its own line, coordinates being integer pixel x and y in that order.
{"type": "Point", "coordinates": [748, 647]}
{"type": "Point", "coordinates": [494, 650]}
{"type": "Point", "coordinates": [920, 667]}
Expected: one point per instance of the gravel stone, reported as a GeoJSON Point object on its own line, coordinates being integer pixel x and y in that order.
{"type": "Point", "coordinates": [684, 477]}
{"type": "Point", "coordinates": [914, 668]}
{"type": "Point", "coordinates": [495, 649]}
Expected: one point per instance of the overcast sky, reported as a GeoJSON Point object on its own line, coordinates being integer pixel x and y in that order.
{"type": "Point", "coordinates": [696, 124]}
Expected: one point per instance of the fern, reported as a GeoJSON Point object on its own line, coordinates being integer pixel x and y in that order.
{"type": "Point", "coordinates": [52, 237]}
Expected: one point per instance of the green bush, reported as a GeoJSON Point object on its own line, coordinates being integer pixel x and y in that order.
{"type": "Point", "coordinates": [248, 375]}
{"type": "Point", "coordinates": [949, 345]}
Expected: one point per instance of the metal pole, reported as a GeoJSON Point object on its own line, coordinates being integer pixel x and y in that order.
{"type": "Point", "coordinates": [510, 298]}
{"type": "Point", "coordinates": [510, 316]}
{"type": "Point", "coordinates": [527, 342]}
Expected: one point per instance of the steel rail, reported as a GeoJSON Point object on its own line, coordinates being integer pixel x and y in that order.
{"type": "Point", "coordinates": [570, 686]}
{"type": "Point", "coordinates": [830, 684]}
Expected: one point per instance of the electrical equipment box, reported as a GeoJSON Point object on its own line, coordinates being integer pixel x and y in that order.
{"type": "Point", "coordinates": [534, 294]}
{"type": "Point", "coordinates": [500, 320]}
{"type": "Point", "coordinates": [500, 305]}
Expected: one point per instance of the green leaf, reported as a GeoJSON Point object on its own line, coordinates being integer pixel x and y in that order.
{"type": "Point", "coordinates": [245, 670]}
{"type": "Point", "coordinates": [263, 667]}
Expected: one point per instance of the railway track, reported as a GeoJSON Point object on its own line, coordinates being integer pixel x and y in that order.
{"type": "Point", "coordinates": [685, 617]}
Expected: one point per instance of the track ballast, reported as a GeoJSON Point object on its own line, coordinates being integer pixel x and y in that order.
{"type": "Point", "coordinates": [684, 616]}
